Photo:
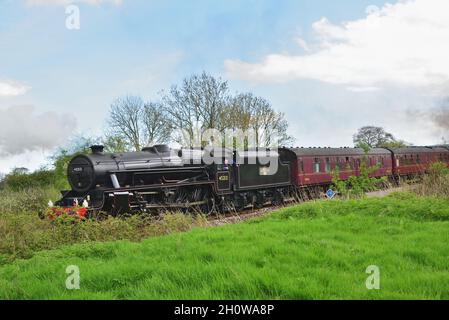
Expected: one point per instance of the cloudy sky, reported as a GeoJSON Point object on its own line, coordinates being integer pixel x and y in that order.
{"type": "Point", "coordinates": [330, 66]}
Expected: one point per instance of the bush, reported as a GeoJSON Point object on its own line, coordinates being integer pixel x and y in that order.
{"type": "Point", "coordinates": [357, 186]}
{"type": "Point", "coordinates": [436, 182]}
{"type": "Point", "coordinates": [438, 169]}
{"type": "Point", "coordinates": [20, 179]}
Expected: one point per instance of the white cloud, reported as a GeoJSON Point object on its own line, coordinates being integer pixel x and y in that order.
{"type": "Point", "coordinates": [363, 89]}
{"type": "Point", "coordinates": [67, 2]}
{"type": "Point", "coordinates": [401, 45]}
{"type": "Point", "coordinates": [23, 130]}
{"type": "Point", "coordinates": [303, 44]}
{"type": "Point", "coordinates": [12, 88]}
{"type": "Point", "coordinates": [32, 160]}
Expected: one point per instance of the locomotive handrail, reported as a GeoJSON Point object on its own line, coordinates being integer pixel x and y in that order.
{"type": "Point", "coordinates": [158, 169]}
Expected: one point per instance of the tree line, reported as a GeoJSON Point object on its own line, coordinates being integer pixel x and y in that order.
{"type": "Point", "coordinates": [199, 103]}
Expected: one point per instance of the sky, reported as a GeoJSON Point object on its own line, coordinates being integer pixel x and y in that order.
{"type": "Point", "coordinates": [330, 66]}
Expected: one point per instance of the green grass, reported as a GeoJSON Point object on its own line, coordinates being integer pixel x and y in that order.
{"type": "Point", "coordinates": [316, 250]}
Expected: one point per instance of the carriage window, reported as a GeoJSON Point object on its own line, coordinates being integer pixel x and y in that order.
{"type": "Point", "coordinates": [327, 165]}
{"type": "Point", "coordinates": [348, 164]}
{"type": "Point", "coordinates": [301, 166]}
{"type": "Point", "coordinates": [337, 163]}
{"type": "Point", "coordinates": [382, 161]}
{"type": "Point", "coordinates": [379, 161]}
{"type": "Point", "coordinates": [417, 159]}
{"type": "Point", "coordinates": [316, 165]}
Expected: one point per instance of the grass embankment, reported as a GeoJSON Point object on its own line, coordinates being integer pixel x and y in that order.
{"type": "Point", "coordinates": [23, 233]}
{"type": "Point", "coordinates": [317, 250]}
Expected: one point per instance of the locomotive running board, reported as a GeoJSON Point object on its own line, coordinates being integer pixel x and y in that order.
{"type": "Point", "coordinates": [158, 186]}
{"type": "Point", "coordinates": [175, 205]}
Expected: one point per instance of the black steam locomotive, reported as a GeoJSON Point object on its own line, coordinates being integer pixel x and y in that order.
{"type": "Point", "coordinates": [160, 178]}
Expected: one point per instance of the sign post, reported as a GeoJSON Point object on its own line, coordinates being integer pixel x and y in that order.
{"type": "Point", "coordinates": [330, 194]}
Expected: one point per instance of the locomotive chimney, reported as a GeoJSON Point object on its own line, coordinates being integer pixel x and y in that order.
{"type": "Point", "coordinates": [97, 149]}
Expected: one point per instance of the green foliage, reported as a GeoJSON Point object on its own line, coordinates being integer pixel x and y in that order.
{"type": "Point", "coordinates": [21, 180]}
{"type": "Point", "coordinates": [115, 144]}
{"type": "Point", "coordinates": [318, 250]}
{"type": "Point", "coordinates": [376, 137]}
{"type": "Point", "coordinates": [438, 169]}
{"type": "Point", "coordinates": [393, 144]}
{"type": "Point", "coordinates": [340, 186]}
{"type": "Point", "coordinates": [357, 186]}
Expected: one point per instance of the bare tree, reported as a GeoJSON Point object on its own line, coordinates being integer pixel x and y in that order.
{"type": "Point", "coordinates": [125, 119]}
{"type": "Point", "coordinates": [197, 103]}
{"type": "Point", "coordinates": [247, 111]}
{"type": "Point", "coordinates": [239, 111]}
{"type": "Point", "coordinates": [157, 127]}
{"type": "Point", "coordinates": [115, 144]}
{"type": "Point", "coordinates": [134, 124]}
{"type": "Point", "coordinates": [375, 137]}
{"type": "Point", "coordinates": [201, 102]}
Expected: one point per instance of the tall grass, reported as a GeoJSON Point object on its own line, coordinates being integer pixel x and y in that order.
{"type": "Point", "coordinates": [23, 233]}
{"type": "Point", "coordinates": [436, 182]}
{"type": "Point", "coordinates": [30, 200]}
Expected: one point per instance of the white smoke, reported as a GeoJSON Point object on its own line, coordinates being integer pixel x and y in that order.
{"type": "Point", "coordinates": [23, 130]}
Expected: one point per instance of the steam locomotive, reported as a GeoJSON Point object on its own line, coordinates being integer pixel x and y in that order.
{"type": "Point", "coordinates": [218, 179]}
